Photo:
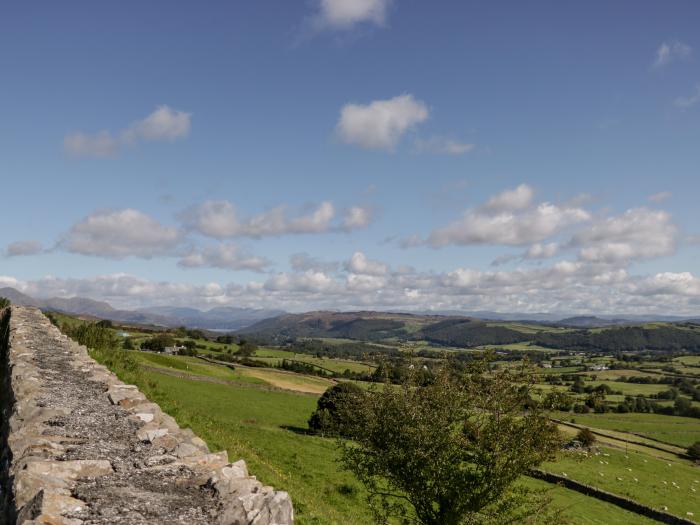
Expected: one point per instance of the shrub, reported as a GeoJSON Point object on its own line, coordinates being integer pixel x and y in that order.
{"type": "Point", "coordinates": [694, 451]}
{"type": "Point", "coordinates": [586, 437]}
{"type": "Point", "coordinates": [335, 411]}
{"type": "Point", "coordinates": [93, 336]}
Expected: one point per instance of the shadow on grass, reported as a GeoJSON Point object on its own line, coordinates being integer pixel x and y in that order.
{"type": "Point", "coordinates": [298, 430]}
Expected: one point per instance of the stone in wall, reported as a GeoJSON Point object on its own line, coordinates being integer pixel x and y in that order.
{"type": "Point", "coordinates": [83, 448]}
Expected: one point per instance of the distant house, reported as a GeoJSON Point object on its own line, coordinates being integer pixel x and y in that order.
{"type": "Point", "coordinates": [546, 365]}
{"type": "Point", "coordinates": [598, 368]}
{"type": "Point", "coordinates": [123, 334]}
{"type": "Point", "coordinates": [173, 350]}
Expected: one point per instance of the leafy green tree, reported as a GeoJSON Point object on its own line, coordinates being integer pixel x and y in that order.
{"type": "Point", "coordinates": [449, 453]}
{"type": "Point", "coordinates": [4, 303]}
{"type": "Point", "coordinates": [128, 343]}
{"type": "Point", "coordinates": [336, 410]}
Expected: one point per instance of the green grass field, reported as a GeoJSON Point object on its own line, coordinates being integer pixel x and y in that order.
{"type": "Point", "coordinates": [266, 429]}
{"type": "Point", "coordinates": [680, 431]}
{"type": "Point", "coordinates": [654, 482]}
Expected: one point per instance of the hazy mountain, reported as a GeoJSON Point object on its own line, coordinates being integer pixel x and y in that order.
{"type": "Point", "coordinates": [589, 321]}
{"type": "Point", "coordinates": [219, 318]}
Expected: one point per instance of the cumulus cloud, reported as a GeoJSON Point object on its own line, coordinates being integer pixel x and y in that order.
{"type": "Point", "coordinates": [443, 146]}
{"type": "Point", "coordinates": [21, 248]}
{"type": "Point", "coordinates": [301, 262]}
{"type": "Point", "coordinates": [639, 233]}
{"type": "Point", "coordinates": [164, 124]}
{"type": "Point", "coordinates": [345, 14]}
{"type": "Point", "coordinates": [382, 123]}
{"type": "Point", "coordinates": [220, 220]}
{"type": "Point", "coordinates": [661, 196]}
{"type": "Point", "coordinates": [509, 218]}
{"type": "Point", "coordinates": [670, 52]}
{"type": "Point", "coordinates": [356, 218]}
{"type": "Point", "coordinates": [568, 286]}
{"type": "Point", "coordinates": [120, 233]}
{"type": "Point", "coordinates": [226, 256]}
{"type": "Point", "coordinates": [542, 251]}
{"type": "Point", "coordinates": [361, 265]}
{"type": "Point", "coordinates": [686, 102]}
{"type": "Point", "coordinates": [510, 200]}
{"type": "Point", "coordinates": [80, 144]}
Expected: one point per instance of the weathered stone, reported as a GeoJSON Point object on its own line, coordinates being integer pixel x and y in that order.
{"type": "Point", "coordinates": [86, 448]}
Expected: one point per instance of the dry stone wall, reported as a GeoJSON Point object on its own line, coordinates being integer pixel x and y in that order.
{"type": "Point", "coordinates": [79, 447]}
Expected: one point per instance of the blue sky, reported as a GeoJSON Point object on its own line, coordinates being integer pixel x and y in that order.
{"type": "Point", "coordinates": [353, 154]}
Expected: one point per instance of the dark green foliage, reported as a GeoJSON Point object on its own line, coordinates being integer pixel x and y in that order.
{"type": "Point", "coordinates": [467, 333]}
{"type": "Point", "coordinates": [336, 410]}
{"type": "Point", "coordinates": [93, 336]}
{"type": "Point", "coordinates": [586, 437]}
{"type": "Point", "coordinates": [158, 343]}
{"type": "Point", "coordinates": [4, 303]}
{"type": "Point", "coordinates": [450, 452]}
{"type": "Point", "coordinates": [247, 349]}
{"type": "Point", "coordinates": [694, 450]}
{"type": "Point", "coordinates": [623, 339]}
{"type": "Point", "coordinates": [105, 323]}
{"type": "Point", "coordinates": [128, 343]}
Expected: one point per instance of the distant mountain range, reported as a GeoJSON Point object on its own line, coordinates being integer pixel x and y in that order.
{"type": "Point", "coordinates": [228, 318]}
{"type": "Point", "coordinates": [219, 318]}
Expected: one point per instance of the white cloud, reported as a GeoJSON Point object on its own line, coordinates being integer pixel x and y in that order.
{"type": "Point", "coordinates": [509, 218]}
{"type": "Point", "coordinates": [345, 14]}
{"type": "Point", "coordinates": [661, 196]}
{"type": "Point", "coordinates": [80, 144]}
{"type": "Point", "coordinates": [356, 217]}
{"type": "Point", "coordinates": [639, 233]}
{"type": "Point", "coordinates": [121, 233]}
{"type": "Point", "coordinates": [301, 262]}
{"type": "Point", "coordinates": [668, 283]}
{"type": "Point", "coordinates": [542, 251]}
{"type": "Point", "coordinates": [511, 200]}
{"type": "Point", "coordinates": [220, 220]}
{"type": "Point", "coordinates": [226, 255]}
{"type": "Point", "coordinates": [567, 286]}
{"type": "Point", "coordinates": [382, 123]}
{"type": "Point", "coordinates": [164, 124]}
{"type": "Point", "coordinates": [443, 146]}
{"type": "Point", "coordinates": [20, 248]}
{"type": "Point", "coordinates": [670, 52]}
{"type": "Point", "coordinates": [686, 102]}
{"type": "Point", "coordinates": [361, 265]}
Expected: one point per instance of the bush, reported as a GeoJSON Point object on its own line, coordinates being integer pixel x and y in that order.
{"type": "Point", "coordinates": [4, 303]}
{"type": "Point", "coordinates": [93, 336]}
{"type": "Point", "coordinates": [694, 451]}
{"type": "Point", "coordinates": [586, 437]}
{"type": "Point", "coordinates": [334, 413]}
{"type": "Point", "coordinates": [157, 343]}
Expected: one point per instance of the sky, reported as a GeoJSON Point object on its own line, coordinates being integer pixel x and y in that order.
{"type": "Point", "coordinates": [353, 154]}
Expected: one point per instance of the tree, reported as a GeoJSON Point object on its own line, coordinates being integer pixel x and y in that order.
{"type": "Point", "coordinates": [448, 453]}
{"type": "Point", "coordinates": [158, 343]}
{"type": "Point", "coordinates": [247, 349]}
{"type": "Point", "coordinates": [128, 343]}
{"type": "Point", "coordinates": [336, 410]}
{"type": "Point", "coordinates": [586, 437]}
{"type": "Point", "coordinates": [694, 451]}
